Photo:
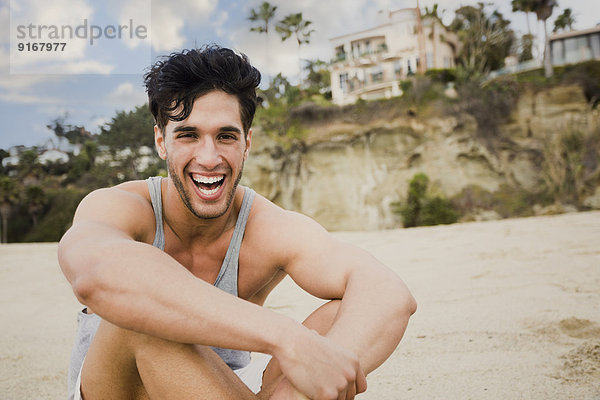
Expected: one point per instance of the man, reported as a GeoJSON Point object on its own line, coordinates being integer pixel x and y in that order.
{"type": "Point", "coordinates": [174, 271]}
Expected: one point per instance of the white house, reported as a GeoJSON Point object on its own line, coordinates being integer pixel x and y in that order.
{"type": "Point", "coordinates": [575, 46]}
{"type": "Point", "coordinates": [13, 158]}
{"type": "Point", "coordinates": [371, 63]}
{"type": "Point", "coordinates": [53, 156]}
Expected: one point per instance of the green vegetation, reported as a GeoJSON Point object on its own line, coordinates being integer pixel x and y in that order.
{"type": "Point", "coordinates": [543, 10]}
{"type": "Point", "coordinates": [38, 200]}
{"type": "Point", "coordinates": [295, 25]}
{"type": "Point", "coordinates": [265, 13]}
{"type": "Point", "coordinates": [489, 105]}
{"type": "Point", "coordinates": [58, 216]}
{"type": "Point", "coordinates": [571, 161]}
{"type": "Point", "coordinates": [486, 39]}
{"type": "Point", "coordinates": [526, 51]}
{"type": "Point", "coordinates": [506, 201]}
{"type": "Point", "coordinates": [564, 20]}
{"type": "Point", "coordinates": [423, 209]}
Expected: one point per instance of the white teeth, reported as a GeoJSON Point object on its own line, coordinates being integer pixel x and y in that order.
{"type": "Point", "coordinates": [208, 192]}
{"type": "Point", "coordinates": [207, 179]}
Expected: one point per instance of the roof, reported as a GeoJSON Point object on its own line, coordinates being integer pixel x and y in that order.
{"type": "Point", "coordinates": [569, 34]}
{"type": "Point", "coordinates": [382, 25]}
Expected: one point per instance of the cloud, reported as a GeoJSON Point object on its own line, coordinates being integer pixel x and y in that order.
{"type": "Point", "coordinates": [55, 110]}
{"type": "Point", "coordinates": [127, 96]}
{"type": "Point", "coordinates": [86, 67]}
{"type": "Point", "coordinates": [138, 11]}
{"type": "Point", "coordinates": [168, 21]}
{"type": "Point", "coordinates": [166, 28]}
{"type": "Point", "coordinates": [4, 22]}
{"type": "Point", "coordinates": [21, 83]}
{"type": "Point", "coordinates": [220, 22]}
{"type": "Point", "coordinates": [21, 98]}
{"type": "Point", "coordinates": [96, 123]}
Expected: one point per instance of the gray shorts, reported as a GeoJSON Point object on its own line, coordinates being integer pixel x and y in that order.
{"type": "Point", "coordinates": [251, 374]}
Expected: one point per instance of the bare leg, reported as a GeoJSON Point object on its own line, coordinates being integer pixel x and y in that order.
{"type": "Point", "coordinates": [320, 321]}
{"type": "Point", "coordinates": [122, 364]}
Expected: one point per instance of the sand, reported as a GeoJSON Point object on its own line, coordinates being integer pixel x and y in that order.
{"type": "Point", "coordinates": [507, 310]}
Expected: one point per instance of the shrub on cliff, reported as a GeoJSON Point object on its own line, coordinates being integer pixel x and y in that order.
{"type": "Point", "coordinates": [489, 105]}
{"type": "Point", "coordinates": [422, 209]}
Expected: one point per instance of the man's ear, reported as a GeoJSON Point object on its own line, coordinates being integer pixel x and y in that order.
{"type": "Point", "coordinates": [159, 143]}
{"type": "Point", "coordinates": [248, 143]}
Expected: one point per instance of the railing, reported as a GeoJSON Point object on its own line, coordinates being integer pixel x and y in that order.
{"type": "Point", "coordinates": [382, 48]}
{"type": "Point", "coordinates": [524, 66]}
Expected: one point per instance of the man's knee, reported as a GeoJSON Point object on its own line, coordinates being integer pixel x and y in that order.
{"type": "Point", "coordinates": [109, 369]}
{"type": "Point", "coordinates": [129, 342]}
{"type": "Point", "coordinates": [323, 317]}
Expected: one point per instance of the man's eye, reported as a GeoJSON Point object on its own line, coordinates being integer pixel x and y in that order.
{"type": "Point", "coordinates": [227, 136]}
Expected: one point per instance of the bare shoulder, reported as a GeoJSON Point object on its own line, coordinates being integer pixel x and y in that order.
{"type": "Point", "coordinates": [126, 207]}
{"type": "Point", "coordinates": [283, 233]}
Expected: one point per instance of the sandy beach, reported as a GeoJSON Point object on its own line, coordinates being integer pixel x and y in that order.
{"type": "Point", "coordinates": [507, 310]}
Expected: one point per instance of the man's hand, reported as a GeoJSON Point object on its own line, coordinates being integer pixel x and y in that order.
{"type": "Point", "coordinates": [320, 369]}
{"type": "Point", "coordinates": [286, 391]}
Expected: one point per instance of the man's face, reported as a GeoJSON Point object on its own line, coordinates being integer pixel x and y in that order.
{"type": "Point", "coordinates": [205, 153]}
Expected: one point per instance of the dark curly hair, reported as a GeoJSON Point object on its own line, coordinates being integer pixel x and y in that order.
{"type": "Point", "coordinates": [174, 83]}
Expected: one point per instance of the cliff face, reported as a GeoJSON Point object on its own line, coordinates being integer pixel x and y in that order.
{"type": "Point", "coordinates": [347, 175]}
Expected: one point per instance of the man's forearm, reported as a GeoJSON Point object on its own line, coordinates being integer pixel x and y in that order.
{"type": "Point", "coordinates": [373, 316]}
{"type": "Point", "coordinates": [136, 286]}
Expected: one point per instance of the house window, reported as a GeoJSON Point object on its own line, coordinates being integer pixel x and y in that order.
{"type": "Point", "coordinates": [355, 50]}
{"type": "Point", "coordinates": [585, 48]}
{"type": "Point", "coordinates": [595, 44]}
{"type": "Point", "coordinates": [398, 69]}
{"type": "Point", "coordinates": [558, 52]}
{"type": "Point", "coordinates": [376, 74]}
{"type": "Point", "coordinates": [429, 60]}
{"type": "Point", "coordinates": [576, 49]}
{"type": "Point", "coordinates": [340, 54]}
{"type": "Point", "coordinates": [344, 82]}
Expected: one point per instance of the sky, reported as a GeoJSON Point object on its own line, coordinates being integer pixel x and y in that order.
{"type": "Point", "coordinates": [109, 45]}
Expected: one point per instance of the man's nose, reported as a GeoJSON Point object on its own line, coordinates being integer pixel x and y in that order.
{"type": "Point", "coordinates": [207, 154]}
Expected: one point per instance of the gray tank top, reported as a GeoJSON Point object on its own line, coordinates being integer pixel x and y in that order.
{"type": "Point", "coordinates": [227, 280]}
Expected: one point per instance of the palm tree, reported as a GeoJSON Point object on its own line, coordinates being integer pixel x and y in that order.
{"type": "Point", "coordinates": [543, 10]}
{"type": "Point", "coordinates": [265, 14]}
{"type": "Point", "coordinates": [526, 53]}
{"type": "Point", "coordinates": [433, 14]}
{"type": "Point", "coordinates": [525, 6]}
{"type": "Point", "coordinates": [564, 20]}
{"type": "Point", "coordinates": [36, 199]}
{"type": "Point", "coordinates": [486, 39]}
{"type": "Point", "coordinates": [9, 197]}
{"type": "Point", "coordinates": [317, 76]}
{"type": "Point", "coordinates": [29, 165]}
{"type": "Point", "coordinates": [422, 64]}
{"type": "Point", "coordinates": [294, 24]}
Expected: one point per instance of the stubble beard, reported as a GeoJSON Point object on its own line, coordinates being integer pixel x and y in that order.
{"type": "Point", "coordinates": [185, 196]}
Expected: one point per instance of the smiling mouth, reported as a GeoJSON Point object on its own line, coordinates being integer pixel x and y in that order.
{"type": "Point", "coordinates": [208, 185]}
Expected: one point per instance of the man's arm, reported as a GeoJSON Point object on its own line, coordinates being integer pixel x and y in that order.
{"type": "Point", "coordinates": [376, 304]}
